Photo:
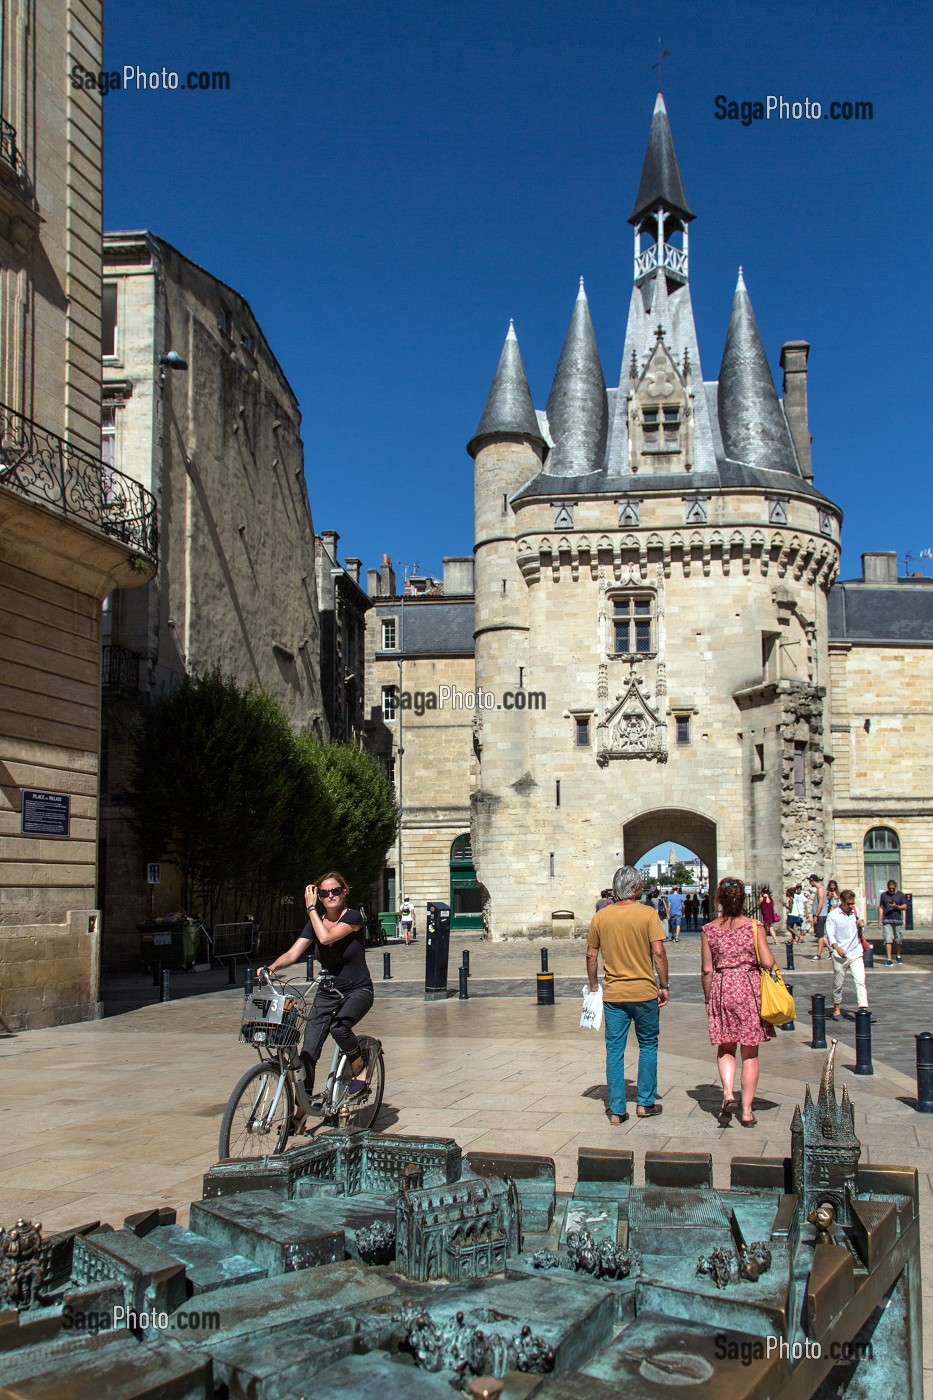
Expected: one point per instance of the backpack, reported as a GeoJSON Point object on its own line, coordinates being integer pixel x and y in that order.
{"type": "Point", "coordinates": [662, 907]}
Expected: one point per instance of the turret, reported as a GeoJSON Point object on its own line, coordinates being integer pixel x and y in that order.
{"type": "Point", "coordinates": [577, 406]}
{"type": "Point", "coordinates": [754, 429]}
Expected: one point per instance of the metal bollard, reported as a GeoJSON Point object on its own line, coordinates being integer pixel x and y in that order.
{"type": "Point", "coordinates": [163, 990]}
{"type": "Point", "coordinates": [466, 962]}
{"type": "Point", "coordinates": [464, 983]}
{"type": "Point", "coordinates": [544, 960]}
{"type": "Point", "coordinates": [863, 1041]}
{"type": "Point", "coordinates": [387, 967]}
{"type": "Point", "coordinates": [231, 973]}
{"type": "Point", "coordinates": [868, 955]}
{"type": "Point", "coordinates": [157, 973]}
{"type": "Point", "coordinates": [789, 956]}
{"type": "Point", "coordinates": [545, 982]}
{"type": "Point", "coordinates": [924, 1072]}
{"type": "Point", "coordinates": [818, 1021]}
{"type": "Point", "coordinates": [247, 981]}
{"type": "Point", "coordinates": [309, 967]}
{"type": "Point", "coordinates": [789, 1025]}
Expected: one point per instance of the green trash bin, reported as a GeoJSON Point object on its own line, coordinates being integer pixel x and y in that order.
{"type": "Point", "coordinates": [388, 925]}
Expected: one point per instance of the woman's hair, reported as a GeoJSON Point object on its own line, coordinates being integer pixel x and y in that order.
{"type": "Point", "coordinates": [332, 875]}
{"type": "Point", "coordinates": [832, 885]}
{"type": "Point", "coordinates": [791, 890]}
{"type": "Point", "coordinates": [766, 889]}
{"type": "Point", "coordinates": [730, 896]}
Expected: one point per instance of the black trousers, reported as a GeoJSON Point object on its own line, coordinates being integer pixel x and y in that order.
{"type": "Point", "coordinates": [337, 1013]}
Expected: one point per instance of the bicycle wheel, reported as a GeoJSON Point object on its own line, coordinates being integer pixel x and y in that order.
{"type": "Point", "coordinates": [360, 1112]}
{"type": "Point", "coordinates": [251, 1127]}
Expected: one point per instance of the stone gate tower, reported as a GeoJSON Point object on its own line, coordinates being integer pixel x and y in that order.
{"type": "Point", "coordinates": [652, 570]}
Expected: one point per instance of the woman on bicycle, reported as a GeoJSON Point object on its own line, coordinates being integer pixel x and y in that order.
{"type": "Point", "coordinates": [334, 934]}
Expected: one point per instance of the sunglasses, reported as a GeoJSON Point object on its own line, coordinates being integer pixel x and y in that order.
{"type": "Point", "coordinates": [330, 894]}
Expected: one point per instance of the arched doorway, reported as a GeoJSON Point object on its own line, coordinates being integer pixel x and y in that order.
{"type": "Point", "coordinates": [466, 895]}
{"type": "Point", "coordinates": [678, 824]}
{"type": "Point", "coordinates": [882, 855]}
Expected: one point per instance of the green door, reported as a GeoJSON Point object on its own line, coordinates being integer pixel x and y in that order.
{"type": "Point", "coordinates": [882, 863]}
{"type": "Point", "coordinates": [466, 895]}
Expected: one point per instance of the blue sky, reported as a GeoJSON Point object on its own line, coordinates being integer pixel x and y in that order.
{"type": "Point", "coordinates": [389, 185]}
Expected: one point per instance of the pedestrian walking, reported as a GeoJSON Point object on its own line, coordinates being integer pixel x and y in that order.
{"type": "Point", "coordinates": [843, 934]}
{"type": "Point", "coordinates": [630, 938]}
{"type": "Point", "coordinates": [796, 906]}
{"type": "Point", "coordinates": [605, 897]}
{"type": "Point", "coordinates": [731, 950]}
{"type": "Point", "coordinates": [675, 913]}
{"type": "Point", "coordinates": [891, 910]}
{"type": "Point", "coordinates": [769, 915]}
{"type": "Point", "coordinates": [818, 913]}
{"type": "Point", "coordinates": [406, 919]}
{"type": "Point", "coordinates": [692, 910]}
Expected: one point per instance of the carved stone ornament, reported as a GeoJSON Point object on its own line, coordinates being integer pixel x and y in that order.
{"type": "Point", "coordinates": [632, 729]}
{"type": "Point", "coordinates": [629, 511]}
{"type": "Point", "coordinates": [21, 1266]}
{"type": "Point", "coordinates": [563, 516]}
{"type": "Point", "coordinates": [697, 510]}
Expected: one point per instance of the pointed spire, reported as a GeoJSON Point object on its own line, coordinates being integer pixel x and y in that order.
{"type": "Point", "coordinates": [796, 1123]}
{"type": "Point", "coordinates": [754, 429]}
{"type": "Point", "coordinates": [577, 406]}
{"type": "Point", "coordinates": [828, 1080]}
{"type": "Point", "coordinates": [509, 407]}
{"type": "Point", "coordinates": [660, 176]}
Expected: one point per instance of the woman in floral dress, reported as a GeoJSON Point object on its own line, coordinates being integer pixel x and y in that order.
{"type": "Point", "coordinates": [732, 988]}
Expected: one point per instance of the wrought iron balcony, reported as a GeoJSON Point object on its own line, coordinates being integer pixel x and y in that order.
{"type": "Point", "coordinates": [9, 150]}
{"type": "Point", "coordinates": [120, 667]}
{"type": "Point", "coordinates": [46, 469]}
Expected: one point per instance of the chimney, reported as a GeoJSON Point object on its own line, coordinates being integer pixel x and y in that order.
{"type": "Point", "coordinates": [373, 583]}
{"type": "Point", "coordinates": [330, 538]}
{"type": "Point", "coordinates": [387, 578]}
{"type": "Point", "coordinates": [458, 575]}
{"type": "Point", "coordinates": [794, 364]}
{"type": "Point", "coordinates": [879, 567]}
{"type": "Point", "coordinates": [353, 567]}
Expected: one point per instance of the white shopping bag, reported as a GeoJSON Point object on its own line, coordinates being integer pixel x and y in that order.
{"type": "Point", "coordinates": [591, 1017]}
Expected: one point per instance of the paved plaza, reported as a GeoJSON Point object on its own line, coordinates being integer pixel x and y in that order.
{"type": "Point", "coordinates": [103, 1118]}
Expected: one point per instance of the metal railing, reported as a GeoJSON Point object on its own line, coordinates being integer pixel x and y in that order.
{"type": "Point", "coordinates": [119, 667]}
{"type": "Point", "coordinates": [43, 467]}
{"type": "Point", "coordinates": [9, 150]}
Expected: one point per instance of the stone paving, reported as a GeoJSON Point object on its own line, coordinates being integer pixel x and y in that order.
{"type": "Point", "coordinates": [102, 1118]}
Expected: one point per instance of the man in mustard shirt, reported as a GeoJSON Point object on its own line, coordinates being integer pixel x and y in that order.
{"type": "Point", "coordinates": [630, 937]}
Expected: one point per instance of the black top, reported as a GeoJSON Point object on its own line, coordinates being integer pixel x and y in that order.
{"type": "Point", "coordinates": [345, 960]}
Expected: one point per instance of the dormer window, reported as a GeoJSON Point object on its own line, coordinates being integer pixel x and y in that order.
{"type": "Point", "coordinates": [661, 428]}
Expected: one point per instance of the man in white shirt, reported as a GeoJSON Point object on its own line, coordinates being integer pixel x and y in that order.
{"type": "Point", "coordinates": [845, 945]}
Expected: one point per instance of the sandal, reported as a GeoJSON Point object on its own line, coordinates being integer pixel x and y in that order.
{"type": "Point", "coordinates": [356, 1087]}
{"type": "Point", "coordinates": [748, 1122]}
{"type": "Point", "coordinates": [729, 1106]}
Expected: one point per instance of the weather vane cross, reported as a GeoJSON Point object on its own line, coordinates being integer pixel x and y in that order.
{"type": "Point", "coordinates": [665, 53]}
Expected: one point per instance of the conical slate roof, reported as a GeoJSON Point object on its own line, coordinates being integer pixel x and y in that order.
{"type": "Point", "coordinates": [754, 429]}
{"type": "Point", "coordinates": [577, 406]}
{"type": "Point", "coordinates": [509, 407]}
{"type": "Point", "coordinates": [660, 176]}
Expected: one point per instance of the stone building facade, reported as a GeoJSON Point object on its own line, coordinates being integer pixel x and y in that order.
{"type": "Point", "coordinates": [881, 654]}
{"type": "Point", "coordinates": [658, 628]}
{"type": "Point", "coordinates": [195, 400]}
{"type": "Point", "coordinates": [342, 608]}
{"type": "Point", "coordinates": [655, 560]}
{"type": "Point", "coordinates": [419, 682]}
{"type": "Point", "coordinates": [71, 528]}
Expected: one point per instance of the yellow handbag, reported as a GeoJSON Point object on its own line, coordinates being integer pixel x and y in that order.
{"type": "Point", "coordinates": [777, 1004]}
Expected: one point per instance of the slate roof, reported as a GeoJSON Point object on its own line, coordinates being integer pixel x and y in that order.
{"type": "Point", "coordinates": [660, 177]}
{"type": "Point", "coordinates": [442, 627]}
{"type": "Point", "coordinates": [902, 612]}
{"type": "Point", "coordinates": [754, 429]}
{"type": "Point", "coordinates": [577, 408]}
{"type": "Point", "coordinates": [509, 407]}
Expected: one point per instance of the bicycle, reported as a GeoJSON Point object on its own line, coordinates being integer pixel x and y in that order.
{"type": "Point", "coordinates": [260, 1114]}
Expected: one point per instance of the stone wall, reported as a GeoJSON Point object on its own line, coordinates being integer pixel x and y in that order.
{"type": "Point", "coordinates": [883, 761]}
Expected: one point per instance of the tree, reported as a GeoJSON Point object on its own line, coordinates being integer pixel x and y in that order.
{"type": "Point", "coordinates": [682, 874]}
{"type": "Point", "coordinates": [248, 810]}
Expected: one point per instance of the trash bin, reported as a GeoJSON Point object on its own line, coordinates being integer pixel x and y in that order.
{"type": "Point", "coordinates": [562, 923]}
{"type": "Point", "coordinates": [174, 942]}
{"type": "Point", "coordinates": [437, 950]}
{"type": "Point", "coordinates": [388, 925]}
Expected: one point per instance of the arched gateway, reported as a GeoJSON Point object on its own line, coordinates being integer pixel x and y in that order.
{"type": "Point", "coordinates": [678, 824]}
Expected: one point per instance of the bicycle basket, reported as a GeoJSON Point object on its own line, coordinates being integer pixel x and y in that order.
{"type": "Point", "coordinates": [275, 1021]}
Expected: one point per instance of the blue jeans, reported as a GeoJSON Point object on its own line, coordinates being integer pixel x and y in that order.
{"type": "Point", "coordinates": [619, 1015]}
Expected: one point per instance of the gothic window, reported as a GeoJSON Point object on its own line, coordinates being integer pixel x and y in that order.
{"type": "Point", "coordinates": [389, 635]}
{"type": "Point", "coordinates": [633, 624]}
{"type": "Point", "coordinates": [682, 729]}
{"type": "Point", "coordinates": [582, 731]}
{"type": "Point", "coordinates": [800, 769]}
{"type": "Point", "coordinates": [661, 428]}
